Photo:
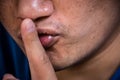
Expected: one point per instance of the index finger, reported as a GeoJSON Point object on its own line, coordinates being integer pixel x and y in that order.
{"type": "Point", "coordinates": [40, 65]}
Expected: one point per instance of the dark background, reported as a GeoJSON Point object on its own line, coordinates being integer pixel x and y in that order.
{"type": "Point", "coordinates": [12, 59]}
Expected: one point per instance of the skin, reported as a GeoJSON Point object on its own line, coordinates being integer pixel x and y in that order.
{"type": "Point", "coordinates": [89, 35]}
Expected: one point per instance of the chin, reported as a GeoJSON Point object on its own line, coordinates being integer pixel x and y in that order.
{"type": "Point", "coordinates": [63, 64]}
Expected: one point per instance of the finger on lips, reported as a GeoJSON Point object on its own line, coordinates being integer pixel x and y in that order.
{"type": "Point", "coordinates": [39, 62]}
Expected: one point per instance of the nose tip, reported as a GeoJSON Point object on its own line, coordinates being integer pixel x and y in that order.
{"type": "Point", "coordinates": [35, 9]}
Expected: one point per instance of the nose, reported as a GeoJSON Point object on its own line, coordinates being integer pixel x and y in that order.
{"type": "Point", "coordinates": [35, 9]}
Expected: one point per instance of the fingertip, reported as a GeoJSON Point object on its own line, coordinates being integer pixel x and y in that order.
{"type": "Point", "coordinates": [27, 26]}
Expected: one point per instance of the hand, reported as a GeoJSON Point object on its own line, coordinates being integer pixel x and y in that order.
{"type": "Point", "coordinates": [40, 65]}
{"type": "Point", "coordinates": [9, 77]}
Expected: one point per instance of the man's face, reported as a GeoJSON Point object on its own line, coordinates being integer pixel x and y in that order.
{"type": "Point", "coordinates": [76, 28]}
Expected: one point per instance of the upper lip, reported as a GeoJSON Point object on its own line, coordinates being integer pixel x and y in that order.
{"type": "Point", "coordinates": [44, 31]}
{"type": "Point", "coordinates": [47, 31]}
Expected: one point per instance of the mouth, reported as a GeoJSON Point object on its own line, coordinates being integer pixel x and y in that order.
{"type": "Point", "coordinates": [48, 37]}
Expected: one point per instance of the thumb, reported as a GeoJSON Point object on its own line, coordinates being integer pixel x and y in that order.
{"type": "Point", "coordinates": [9, 77]}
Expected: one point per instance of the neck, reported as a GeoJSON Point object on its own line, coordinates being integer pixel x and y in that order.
{"type": "Point", "coordinates": [99, 67]}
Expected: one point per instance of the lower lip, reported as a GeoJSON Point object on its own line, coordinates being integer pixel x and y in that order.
{"type": "Point", "coordinates": [48, 40]}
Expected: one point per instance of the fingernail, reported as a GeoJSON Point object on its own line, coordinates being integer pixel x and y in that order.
{"type": "Point", "coordinates": [30, 26]}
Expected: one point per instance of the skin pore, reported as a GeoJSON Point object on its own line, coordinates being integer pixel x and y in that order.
{"type": "Point", "coordinates": [84, 27]}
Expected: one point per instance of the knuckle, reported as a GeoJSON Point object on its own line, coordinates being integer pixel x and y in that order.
{"type": "Point", "coordinates": [45, 59]}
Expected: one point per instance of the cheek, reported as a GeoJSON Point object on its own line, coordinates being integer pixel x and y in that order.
{"type": "Point", "coordinates": [9, 18]}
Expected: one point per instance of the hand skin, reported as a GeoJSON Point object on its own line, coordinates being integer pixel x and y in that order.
{"type": "Point", "coordinates": [9, 77]}
{"type": "Point", "coordinates": [40, 66]}
{"type": "Point", "coordinates": [39, 63]}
